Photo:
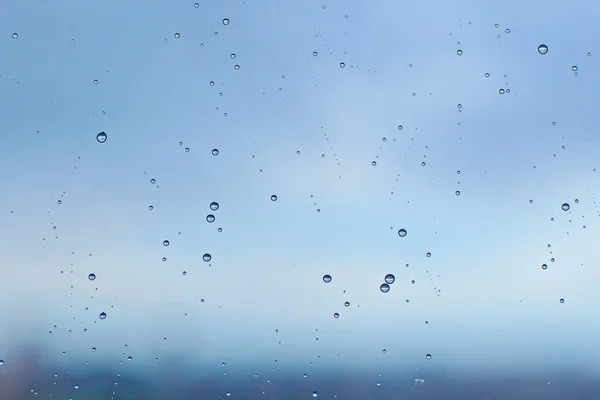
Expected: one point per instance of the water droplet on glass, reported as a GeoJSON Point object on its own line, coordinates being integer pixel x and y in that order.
{"type": "Point", "coordinates": [544, 266]}
{"type": "Point", "coordinates": [423, 164]}
{"type": "Point", "coordinates": [225, 21]}
{"type": "Point", "coordinates": [315, 54]}
{"type": "Point", "coordinates": [402, 232]}
{"type": "Point", "coordinates": [383, 351]}
{"type": "Point", "coordinates": [562, 301]}
{"type": "Point", "coordinates": [428, 254]}
{"type": "Point", "coordinates": [501, 91]}
{"type": "Point", "coordinates": [327, 278]}
{"type": "Point", "coordinates": [384, 287]}
{"type": "Point", "coordinates": [206, 257]}
{"type": "Point", "coordinates": [487, 74]}
{"type": "Point", "coordinates": [459, 52]}
{"type": "Point", "coordinates": [153, 181]}
{"type": "Point", "coordinates": [15, 35]}
{"type": "Point", "coordinates": [236, 66]}
{"type": "Point", "coordinates": [164, 259]}
{"type": "Point", "coordinates": [210, 218]}
{"type": "Point", "coordinates": [59, 202]}
{"type": "Point", "coordinates": [542, 49]}
{"type": "Point", "coordinates": [390, 278]}
{"type": "Point", "coordinates": [347, 304]}
{"type": "Point", "coordinates": [102, 315]}
{"type": "Point", "coordinates": [574, 67]}
{"type": "Point", "coordinates": [400, 127]}
{"type": "Point", "coordinates": [336, 315]}
{"type": "Point", "coordinates": [374, 163]}
{"type": "Point", "coordinates": [565, 206]}
{"type": "Point", "coordinates": [428, 356]}
{"type": "Point", "coordinates": [315, 394]}
{"type": "Point", "coordinates": [214, 206]}
{"type": "Point", "coordinates": [196, 5]}
{"type": "Point", "coordinates": [95, 81]}
{"type": "Point", "coordinates": [166, 243]}
{"type": "Point", "coordinates": [101, 137]}
{"type": "Point", "coordinates": [1, 363]}
{"type": "Point", "coordinates": [273, 198]}
{"type": "Point", "coordinates": [507, 30]}
{"type": "Point", "coordinates": [342, 65]}
{"type": "Point", "coordinates": [92, 276]}
{"type": "Point", "coordinates": [177, 35]}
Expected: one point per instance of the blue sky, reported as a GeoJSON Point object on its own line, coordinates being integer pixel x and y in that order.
{"type": "Point", "coordinates": [495, 304]}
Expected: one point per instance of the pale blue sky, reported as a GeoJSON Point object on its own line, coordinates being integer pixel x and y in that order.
{"type": "Point", "coordinates": [496, 304]}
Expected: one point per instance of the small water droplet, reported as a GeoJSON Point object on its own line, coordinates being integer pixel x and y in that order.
{"type": "Point", "coordinates": [542, 49]}
{"type": "Point", "coordinates": [402, 232]}
{"type": "Point", "coordinates": [164, 259]}
{"type": "Point", "coordinates": [390, 278]}
{"type": "Point", "coordinates": [273, 197]}
{"type": "Point", "coordinates": [206, 257]}
{"type": "Point", "coordinates": [153, 181]}
{"type": "Point", "coordinates": [210, 218]}
{"type": "Point", "coordinates": [459, 52]}
{"type": "Point", "coordinates": [15, 35]}
{"type": "Point", "coordinates": [150, 208]}
{"type": "Point", "coordinates": [342, 65]}
{"type": "Point", "coordinates": [327, 278]}
{"type": "Point", "coordinates": [565, 206]}
{"type": "Point", "coordinates": [102, 315]}
{"type": "Point", "coordinates": [315, 54]}
{"type": "Point", "coordinates": [384, 287]}
{"type": "Point", "coordinates": [315, 394]}
{"type": "Point", "coordinates": [1, 363]}
{"type": "Point", "coordinates": [507, 30]}
{"type": "Point", "coordinates": [400, 127]}
{"type": "Point", "coordinates": [214, 206]}
{"type": "Point", "coordinates": [225, 21]}
{"type": "Point", "coordinates": [176, 35]}
{"type": "Point", "coordinates": [95, 81]}
{"type": "Point", "coordinates": [236, 67]}
{"type": "Point", "coordinates": [166, 243]}
{"type": "Point", "coordinates": [501, 91]}
{"type": "Point", "coordinates": [196, 5]}
{"type": "Point", "coordinates": [336, 315]}
{"type": "Point", "coordinates": [487, 74]}
{"type": "Point", "coordinates": [101, 137]}
{"type": "Point", "coordinates": [544, 266]}
{"type": "Point", "coordinates": [59, 202]}
{"type": "Point", "coordinates": [428, 254]}
{"type": "Point", "coordinates": [92, 276]}
{"type": "Point", "coordinates": [562, 301]}
{"type": "Point", "coordinates": [574, 68]}
{"type": "Point", "coordinates": [428, 356]}
{"type": "Point", "coordinates": [373, 163]}
{"type": "Point", "coordinates": [347, 304]}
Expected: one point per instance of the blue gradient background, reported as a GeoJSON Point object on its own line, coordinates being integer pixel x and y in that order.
{"type": "Point", "coordinates": [492, 311]}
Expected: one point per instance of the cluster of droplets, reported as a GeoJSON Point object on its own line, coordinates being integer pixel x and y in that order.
{"type": "Point", "coordinates": [389, 279]}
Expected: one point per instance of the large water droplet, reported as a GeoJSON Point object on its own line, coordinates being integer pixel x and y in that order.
{"type": "Point", "coordinates": [177, 35]}
{"type": "Point", "coordinates": [166, 243]}
{"type": "Point", "coordinates": [542, 49]}
{"type": "Point", "coordinates": [342, 65]}
{"type": "Point", "coordinates": [315, 394]}
{"type": "Point", "coordinates": [336, 315]}
{"type": "Point", "coordinates": [196, 5]}
{"type": "Point", "coordinates": [544, 266]}
{"type": "Point", "coordinates": [225, 21]}
{"type": "Point", "coordinates": [428, 356]}
{"type": "Point", "coordinates": [92, 276]}
{"type": "Point", "coordinates": [153, 181]}
{"type": "Point", "coordinates": [214, 206]}
{"type": "Point", "coordinates": [459, 52]}
{"type": "Point", "coordinates": [565, 206]}
{"type": "Point", "coordinates": [384, 287]}
{"type": "Point", "coordinates": [562, 301]}
{"type": "Point", "coordinates": [102, 315]}
{"type": "Point", "coordinates": [206, 257]}
{"type": "Point", "coordinates": [215, 152]}
{"type": "Point", "coordinates": [390, 278]}
{"type": "Point", "coordinates": [347, 304]}
{"type": "Point", "coordinates": [273, 198]}
{"type": "Point", "coordinates": [101, 137]}
{"type": "Point", "coordinates": [210, 218]}
{"type": "Point", "coordinates": [501, 91]}
{"type": "Point", "coordinates": [327, 278]}
{"type": "Point", "coordinates": [574, 68]}
{"type": "Point", "coordinates": [402, 232]}
{"type": "Point", "coordinates": [15, 35]}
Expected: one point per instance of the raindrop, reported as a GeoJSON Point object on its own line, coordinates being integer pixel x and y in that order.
{"type": "Point", "coordinates": [1, 363]}
{"type": "Point", "coordinates": [164, 259]}
{"type": "Point", "coordinates": [428, 254]}
{"type": "Point", "coordinates": [428, 356]}
{"type": "Point", "coordinates": [150, 208]}
{"type": "Point", "coordinates": [101, 137]}
{"type": "Point", "coordinates": [423, 164]}
{"type": "Point", "coordinates": [400, 127]}
{"type": "Point", "coordinates": [102, 315]}
{"type": "Point", "coordinates": [390, 278]}
{"type": "Point", "coordinates": [315, 394]}
{"type": "Point", "coordinates": [459, 52]}
{"type": "Point", "coordinates": [542, 49]}
{"type": "Point", "coordinates": [374, 163]}
{"type": "Point", "coordinates": [501, 91]}
{"type": "Point", "coordinates": [327, 278]}
{"type": "Point", "coordinates": [347, 304]}
{"type": "Point", "coordinates": [196, 5]}
{"type": "Point", "coordinates": [177, 35]}
{"type": "Point", "coordinates": [59, 202]}
{"type": "Point", "coordinates": [153, 181]}
{"type": "Point", "coordinates": [187, 149]}
{"type": "Point", "coordinates": [166, 243]}
{"type": "Point", "coordinates": [225, 21]}
{"type": "Point", "coordinates": [211, 83]}
{"type": "Point", "coordinates": [457, 193]}
{"type": "Point", "coordinates": [384, 351]}
{"type": "Point", "coordinates": [336, 315]}
{"type": "Point", "coordinates": [562, 301]}
{"type": "Point", "coordinates": [210, 218]}
{"type": "Point", "coordinates": [95, 81]}
{"type": "Point", "coordinates": [544, 266]}
{"type": "Point", "coordinates": [565, 206]}
{"type": "Point", "coordinates": [487, 74]}
{"type": "Point", "coordinates": [507, 30]}
{"type": "Point", "coordinates": [402, 232]}
{"type": "Point", "coordinates": [206, 257]}
{"type": "Point", "coordinates": [273, 197]}
{"type": "Point", "coordinates": [92, 276]}
{"type": "Point", "coordinates": [315, 54]}
{"type": "Point", "coordinates": [342, 65]}
{"type": "Point", "coordinates": [576, 200]}
{"type": "Point", "coordinates": [589, 54]}
{"type": "Point", "coordinates": [236, 67]}
{"type": "Point", "coordinates": [214, 206]}
{"type": "Point", "coordinates": [15, 35]}
{"type": "Point", "coordinates": [384, 287]}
